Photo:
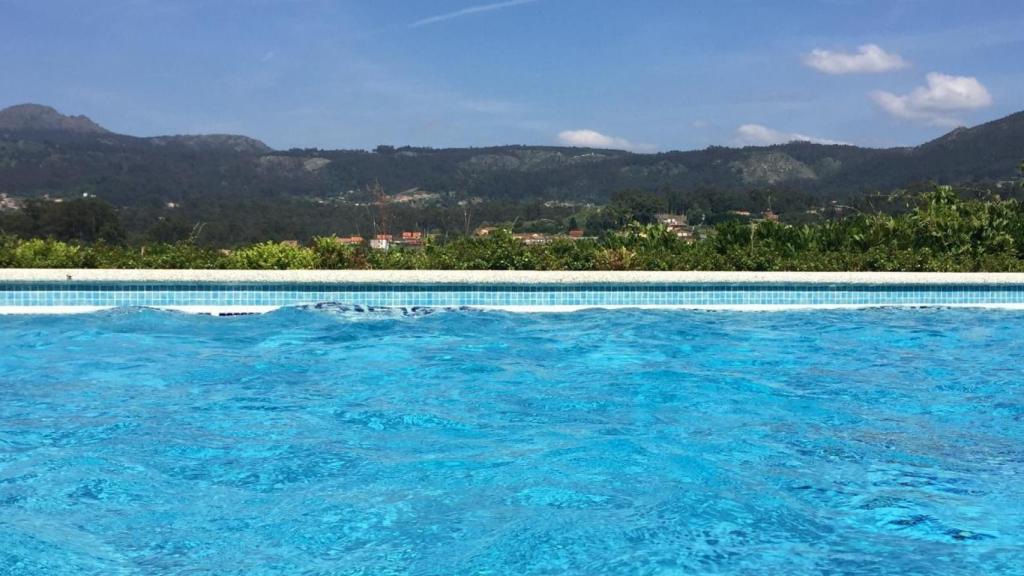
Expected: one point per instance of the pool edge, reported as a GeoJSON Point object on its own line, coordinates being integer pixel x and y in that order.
{"type": "Point", "coordinates": [228, 292]}
{"type": "Point", "coordinates": [489, 277]}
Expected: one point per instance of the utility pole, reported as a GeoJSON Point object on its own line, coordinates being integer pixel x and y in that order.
{"type": "Point", "coordinates": [381, 200]}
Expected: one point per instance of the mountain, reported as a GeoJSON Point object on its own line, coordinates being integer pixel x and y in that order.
{"type": "Point", "coordinates": [38, 122]}
{"type": "Point", "coordinates": [214, 142]}
{"type": "Point", "coordinates": [44, 152]}
{"type": "Point", "coordinates": [38, 118]}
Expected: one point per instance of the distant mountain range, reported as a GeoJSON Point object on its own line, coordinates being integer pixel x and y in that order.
{"type": "Point", "coordinates": [43, 152]}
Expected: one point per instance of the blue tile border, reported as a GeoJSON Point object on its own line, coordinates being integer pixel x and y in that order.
{"type": "Point", "coordinates": [234, 294]}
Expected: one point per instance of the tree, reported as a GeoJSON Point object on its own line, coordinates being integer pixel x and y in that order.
{"type": "Point", "coordinates": [636, 206]}
{"type": "Point", "coordinates": [82, 220]}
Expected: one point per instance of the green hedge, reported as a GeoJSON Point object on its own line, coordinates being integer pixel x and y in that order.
{"type": "Point", "coordinates": [940, 233]}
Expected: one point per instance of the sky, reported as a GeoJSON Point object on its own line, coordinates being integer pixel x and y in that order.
{"type": "Point", "coordinates": [641, 75]}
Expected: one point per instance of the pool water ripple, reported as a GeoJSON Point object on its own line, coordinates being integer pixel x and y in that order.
{"type": "Point", "coordinates": [330, 441]}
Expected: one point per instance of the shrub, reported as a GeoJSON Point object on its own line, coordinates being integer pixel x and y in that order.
{"type": "Point", "coordinates": [499, 250]}
{"type": "Point", "coordinates": [180, 255]}
{"type": "Point", "coordinates": [7, 246]}
{"type": "Point", "coordinates": [272, 256]}
{"type": "Point", "coordinates": [331, 255]}
{"type": "Point", "coordinates": [38, 253]}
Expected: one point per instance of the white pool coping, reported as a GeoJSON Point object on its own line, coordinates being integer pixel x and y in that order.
{"type": "Point", "coordinates": [486, 277]}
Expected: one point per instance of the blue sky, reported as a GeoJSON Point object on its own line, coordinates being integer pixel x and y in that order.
{"type": "Point", "coordinates": [638, 74]}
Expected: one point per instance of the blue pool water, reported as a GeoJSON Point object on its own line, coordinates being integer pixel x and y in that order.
{"type": "Point", "coordinates": [318, 441]}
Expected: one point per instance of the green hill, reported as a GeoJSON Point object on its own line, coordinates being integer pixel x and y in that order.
{"type": "Point", "coordinates": [43, 152]}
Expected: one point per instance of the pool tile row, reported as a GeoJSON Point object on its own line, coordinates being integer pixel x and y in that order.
{"type": "Point", "coordinates": [176, 294]}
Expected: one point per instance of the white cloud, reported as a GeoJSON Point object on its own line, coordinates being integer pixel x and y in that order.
{"type": "Point", "coordinates": [869, 59]}
{"type": "Point", "coordinates": [758, 135]}
{"type": "Point", "coordinates": [468, 11]}
{"type": "Point", "coordinates": [938, 102]}
{"type": "Point", "coordinates": [594, 139]}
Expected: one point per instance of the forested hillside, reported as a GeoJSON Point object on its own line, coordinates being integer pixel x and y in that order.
{"type": "Point", "coordinates": [244, 188]}
{"type": "Point", "coordinates": [54, 154]}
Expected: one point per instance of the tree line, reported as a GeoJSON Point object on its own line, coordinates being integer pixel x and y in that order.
{"type": "Point", "coordinates": [940, 230]}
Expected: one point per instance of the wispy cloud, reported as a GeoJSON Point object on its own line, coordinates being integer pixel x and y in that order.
{"type": "Point", "coordinates": [469, 11]}
{"type": "Point", "coordinates": [758, 135]}
{"type": "Point", "coordinates": [594, 139]}
{"type": "Point", "coordinates": [937, 103]}
{"type": "Point", "coordinates": [869, 59]}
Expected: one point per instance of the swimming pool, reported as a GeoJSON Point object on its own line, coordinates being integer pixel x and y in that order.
{"type": "Point", "coordinates": [325, 441]}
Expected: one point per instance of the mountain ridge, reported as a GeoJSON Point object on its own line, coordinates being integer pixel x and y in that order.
{"type": "Point", "coordinates": [44, 154]}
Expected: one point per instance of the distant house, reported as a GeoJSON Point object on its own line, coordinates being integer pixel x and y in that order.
{"type": "Point", "coordinates": [575, 233]}
{"type": "Point", "coordinates": [770, 216]}
{"type": "Point", "coordinates": [381, 241]}
{"type": "Point", "coordinates": [294, 243]}
{"type": "Point", "coordinates": [676, 224]}
{"type": "Point", "coordinates": [410, 239]}
{"type": "Point", "coordinates": [671, 220]}
{"type": "Point", "coordinates": [684, 233]}
{"type": "Point", "coordinates": [349, 240]}
{"type": "Point", "coordinates": [415, 196]}
{"type": "Point", "coordinates": [484, 230]}
{"type": "Point", "coordinates": [8, 203]}
{"type": "Point", "coordinates": [532, 238]}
